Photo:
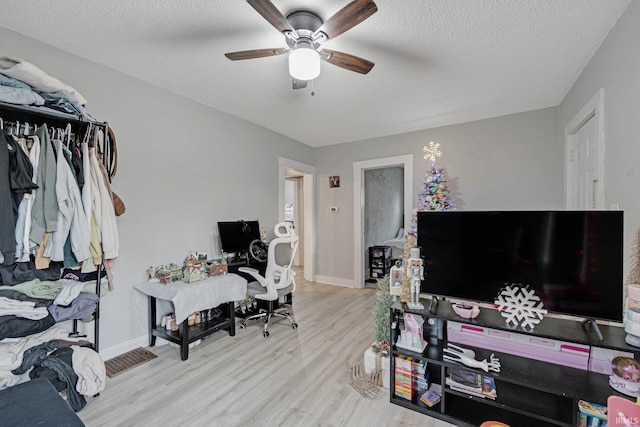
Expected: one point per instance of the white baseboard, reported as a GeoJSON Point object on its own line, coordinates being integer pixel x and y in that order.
{"type": "Point", "coordinates": [335, 281]}
{"type": "Point", "coordinates": [123, 347]}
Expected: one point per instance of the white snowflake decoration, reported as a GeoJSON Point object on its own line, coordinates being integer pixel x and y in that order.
{"type": "Point", "coordinates": [520, 304]}
{"type": "Point", "coordinates": [432, 152]}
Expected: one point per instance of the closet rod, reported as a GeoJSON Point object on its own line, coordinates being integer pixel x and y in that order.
{"type": "Point", "coordinates": [37, 113]}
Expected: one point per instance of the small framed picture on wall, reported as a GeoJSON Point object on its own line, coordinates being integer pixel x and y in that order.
{"type": "Point", "coordinates": [334, 181]}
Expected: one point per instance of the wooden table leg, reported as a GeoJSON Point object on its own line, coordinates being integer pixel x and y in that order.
{"type": "Point", "coordinates": [152, 320]}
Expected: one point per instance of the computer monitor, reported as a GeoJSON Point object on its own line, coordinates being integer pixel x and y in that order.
{"type": "Point", "coordinates": [236, 236]}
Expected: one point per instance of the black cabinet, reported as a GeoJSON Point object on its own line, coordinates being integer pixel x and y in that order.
{"type": "Point", "coordinates": [379, 261]}
{"type": "Point", "coordinates": [529, 392]}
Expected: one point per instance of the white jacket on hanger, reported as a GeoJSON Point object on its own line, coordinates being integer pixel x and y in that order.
{"type": "Point", "coordinates": [72, 221]}
{"type": "Point", "coordinates": [103, 210]}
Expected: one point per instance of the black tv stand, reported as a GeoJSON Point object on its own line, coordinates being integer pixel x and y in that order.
{"type": "Point", "coordinates": [530, 392]}
{"type": "Point", "coordinates": [595, 327]}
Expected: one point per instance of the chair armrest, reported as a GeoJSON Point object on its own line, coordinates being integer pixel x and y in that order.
{"type": "Point", "coordinates": [253, 272]}
{"type": "Point", "coordinates": [249, 270]}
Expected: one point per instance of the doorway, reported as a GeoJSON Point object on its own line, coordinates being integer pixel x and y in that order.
{"type": "Point", "coordinates": [294, 209]}
{"type": "Point", "coordinates": [383, 219]}
{"type": "Point", "coordinates": [304, 176]}
{"type": "Point", "coordinates": [584, 156]}
{"type": "Point", "coordinates": [359, 168]}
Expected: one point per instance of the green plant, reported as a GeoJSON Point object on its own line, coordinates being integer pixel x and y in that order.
{"type": "Point", "coordinates": [384, 300]}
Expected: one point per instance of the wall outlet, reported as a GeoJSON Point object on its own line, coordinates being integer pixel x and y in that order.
{"type": "Point", "coordinates": [333, 209]}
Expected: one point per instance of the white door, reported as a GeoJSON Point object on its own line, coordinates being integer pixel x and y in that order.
{"type": "Point", "coordinates": [584, 157]}
{"type": "Point", "coordinates": [294, 211]}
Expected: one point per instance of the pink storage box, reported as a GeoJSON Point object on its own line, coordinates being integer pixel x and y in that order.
{"type": "Point", "coordinates": [532, 347]}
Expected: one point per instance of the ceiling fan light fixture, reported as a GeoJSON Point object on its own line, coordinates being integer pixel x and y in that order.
{"type": "Point", "coordinates": [304, 61]}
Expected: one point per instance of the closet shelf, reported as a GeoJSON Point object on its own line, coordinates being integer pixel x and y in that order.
{"type": "Point", "coordinates": [39, 114]}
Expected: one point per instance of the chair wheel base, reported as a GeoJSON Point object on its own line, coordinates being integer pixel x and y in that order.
{"type": "Point", "coordinates": [242, 326]}
{"type": "Point", "coordinates": [265, 334]}
{"type": "Point", "coordinates": [294, 326]}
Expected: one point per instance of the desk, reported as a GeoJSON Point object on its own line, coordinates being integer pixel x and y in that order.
{"type": "Point", "coordinates": [187, 298]}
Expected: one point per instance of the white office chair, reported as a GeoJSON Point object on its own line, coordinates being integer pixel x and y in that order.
{"type": "Point", "coordinates": [278, 280]}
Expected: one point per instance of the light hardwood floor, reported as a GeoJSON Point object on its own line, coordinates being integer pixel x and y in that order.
{"type": "Point", "coordinates": [293, 378]}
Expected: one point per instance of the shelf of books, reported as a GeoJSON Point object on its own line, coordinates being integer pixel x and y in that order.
{"type": "Point", "coordinates": [524, 392]}
{"type": "Point", "coordinates": [413, 383]}
{"type": "Point", "coordinates": [419, 383]}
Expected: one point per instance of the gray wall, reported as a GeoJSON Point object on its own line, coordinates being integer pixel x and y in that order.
{"type": "Point", "coordinates": [616, 68]}
{"type": "Point", "coordinates": [510, 162]}
{"type": "Point", "coordinates": [182, 167]}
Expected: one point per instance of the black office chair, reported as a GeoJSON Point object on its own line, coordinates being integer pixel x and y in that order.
{"type": "Point", "coordinates": [278, 279]}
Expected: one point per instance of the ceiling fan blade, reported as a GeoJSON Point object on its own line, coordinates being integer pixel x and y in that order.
{"type": "Point", "coordinates": [346, 61]}
{"type": "Point", "coordinates": [347, 18]}
{"type": "Point", "coordinates": [271, 14]}
{"type": "Point", "coordinates": [299, 84]}
{"type": "Point", "coordinates": [256, 53]}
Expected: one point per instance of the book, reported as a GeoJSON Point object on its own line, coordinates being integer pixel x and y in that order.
{"type": "Point", "coordinates": [420, 376]}
{"type": "Point", "coordinates": [489, 387]}
{"type": "Point", "coordinates": [471, 383]}
{"type": "Point", "coordinates": [467, 390]}
{"type": "Point", "coordinates": [464, 379]}
{"type": "Point", "coordinates": [403, 377]}
{"type": "Point", "coordinates": [430, 398]}
{"type": "Point", "coordinates": [590, 411]}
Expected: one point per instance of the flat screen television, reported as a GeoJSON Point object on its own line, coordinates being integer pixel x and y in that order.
{"type": "Point", "coordinates": [236, 236]}
{"type": "Point", "coordinates": [572, 259]}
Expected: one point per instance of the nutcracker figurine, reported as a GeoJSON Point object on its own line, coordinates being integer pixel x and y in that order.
{"type": "Point", "coordinates": [415, 270]}
{"type": "Point", "coordinates": [395, 281]}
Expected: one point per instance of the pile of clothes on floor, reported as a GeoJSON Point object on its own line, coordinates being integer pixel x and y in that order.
{"type": "Point", "coordinates": [31, 347]}
{"type": "Point", "coordinates": [70, 364]}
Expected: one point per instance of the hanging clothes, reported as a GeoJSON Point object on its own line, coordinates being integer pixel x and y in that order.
{"type": "Point", "coordinates": [20, 172]}
{"type": "Point", "coordinates": [8, 222]}
{"type": "Point", "coordinates": [103, 210]}
{"type": "Point", "coordinates": [31, 146]}
{"type": "Point", "coordinates": [86, 188]}
{"type": "Point", "coordinates": [72, 222]}
{"type": "Point", "coordinates": [45, 205]}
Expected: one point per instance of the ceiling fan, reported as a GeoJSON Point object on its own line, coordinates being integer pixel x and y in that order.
{"type": "Point", "coordinates": [304, 33]}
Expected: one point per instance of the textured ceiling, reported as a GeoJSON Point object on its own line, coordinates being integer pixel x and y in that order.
{"type": "Point", "coordinates": [438, 62]}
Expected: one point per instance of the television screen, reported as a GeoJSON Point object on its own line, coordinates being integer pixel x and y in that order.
{"type": "Point", "coordinates": [572, 259]}
{"type": "Point", "coordinates": [236, 236]}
